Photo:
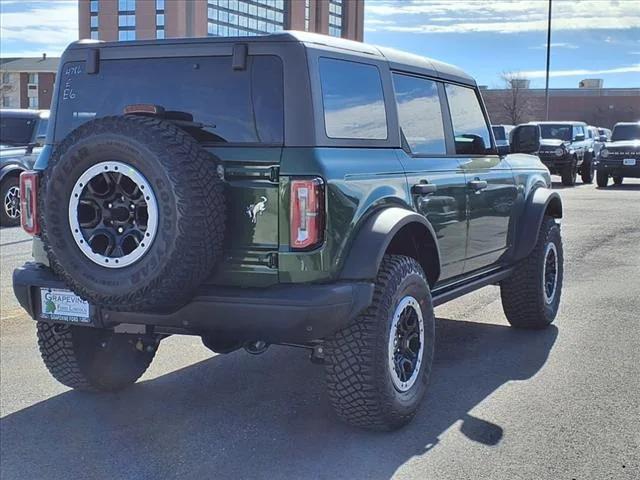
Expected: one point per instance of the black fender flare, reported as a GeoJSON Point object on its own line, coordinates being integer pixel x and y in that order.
{"type": "Point", "coordinates": [375, 236]}
{"type": "Point", "coordinates": [542, 201]}
{"type": "Point", "coordinates": [10, 168]}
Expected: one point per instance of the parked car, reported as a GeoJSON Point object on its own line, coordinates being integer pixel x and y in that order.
{"type": "Point", "coordinates": [566, 150]}
{"type": "Point", "coordinates": [332, 215]}
{"type": "Point", "coordinates": [620, 157]}
{"type": "Point", "coordinates": [595, 145]}
{"type": "Point", "coordinates": [22, 134]}
{"type": "Point", "coordinates": [501, 134]}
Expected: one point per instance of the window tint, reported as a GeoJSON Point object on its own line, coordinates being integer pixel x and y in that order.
{"type": "Point", "coordinates": [353, 100]}
{"type": "Point", "coordinates": [236, 106]}
{"type": "Point", "coordinates": [16, 130]}
{"type": "Point", "coordinates": [420, 115]}
{"type": "Point", "coordinates": [469, 125]}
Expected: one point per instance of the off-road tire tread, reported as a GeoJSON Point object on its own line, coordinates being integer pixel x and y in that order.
{"type": "Point", "coordinates": [352, 375]}
{"type": "Point", "coordinates": [58, 351]}
{"type": "Point", "coordinates": [569, 174]}
{"type": "Point", "coordinates": [201, 213]}
{"type": "Point", "coordinates": [521, 293]}
{"type": "Point", "coordinates": [602, 179]}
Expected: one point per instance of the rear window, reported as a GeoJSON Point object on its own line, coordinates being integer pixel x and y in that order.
{"type": "Point", "coordinates": [353, 100]}
{"type": "Point", "coordinates": [233, 106]}
{"type": "Point", "coordinates": [16, 130]}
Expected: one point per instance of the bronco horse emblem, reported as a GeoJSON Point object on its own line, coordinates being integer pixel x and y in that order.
{"type": "Point", "coordinates": [256, 209]}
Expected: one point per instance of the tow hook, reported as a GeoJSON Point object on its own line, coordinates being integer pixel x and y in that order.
{"type": "Point", "coordinates": [256, 347]}
{"type": "Point", "coordinates": [317, 355]}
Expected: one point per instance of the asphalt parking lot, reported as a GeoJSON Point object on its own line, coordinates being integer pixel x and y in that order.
{"type": "Point", "coordinates": [563, 403]}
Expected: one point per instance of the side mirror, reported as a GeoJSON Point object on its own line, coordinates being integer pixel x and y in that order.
{"type": "Point", "coordinates": [602, 138]}
{"type": "Point", "coordinates": [579, 137]}
{"type": "Point", "coordinates": [525, 139]}
{"type": "Point", "coordinates": [504, 150]}
{"type": "Point", "coordinates": [40, 139]}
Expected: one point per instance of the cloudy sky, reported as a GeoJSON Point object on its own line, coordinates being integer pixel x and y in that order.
{"type": "Point", "coordinates": [591, 38]}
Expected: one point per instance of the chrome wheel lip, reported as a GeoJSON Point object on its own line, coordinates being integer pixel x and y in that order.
{"type": "Point", "coordinates": [549, 250]}
{"type": "Point", "coordinates": [406, 302]}
{"type": "Point", "coordinates": [152, 210]}
{"type": "Point", "coordinates": [12, 202]}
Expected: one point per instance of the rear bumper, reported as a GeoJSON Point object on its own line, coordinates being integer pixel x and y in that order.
{"type": "Point", "coordinates": [285, 313]}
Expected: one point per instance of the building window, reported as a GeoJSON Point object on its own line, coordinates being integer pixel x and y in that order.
{"type": "Point", "coordinates": [6, 101]}
{"type": "Point", "coordinates": [244, 17]}
{"type": "Point", "coordinates": [94, 21]}
{"type": "Point", "coordinates": [335, 18]}
{"type": "Point", "coordinates": [6, 77]}
{"type": "Point", "coordinates": [307, 14]}
{"type": "Point", "coordinates": [125, 35]}
{"type": "Point", "coordinates": [126, 20]}
{"type": "Point", "coordinates": [33, 102]}
{"type": "Point", "coordinates": [95, 35]}
{"type": "Point", "coordinates": [160, 19]}
{"type": "Point", "coordinates": [93, 6]}
{"type": "Point", "coordinates": [33, 78]}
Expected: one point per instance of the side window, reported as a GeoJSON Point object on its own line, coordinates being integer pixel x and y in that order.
{"type": "Point", "coordinates": [420, 114]}
{"type": "Point", "coordinates": [469, 125]}
{"type": "Point", "coordinates": [577, 130]}
{"type": "Point", "coordinates": [353, 100]}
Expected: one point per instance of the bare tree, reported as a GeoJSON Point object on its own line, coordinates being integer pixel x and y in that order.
{"type": "Point", "coordinates": [517, 103]}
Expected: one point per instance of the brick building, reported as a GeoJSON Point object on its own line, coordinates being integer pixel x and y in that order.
{"type": "Point", "coordinates": [112, 20]}
{"type": "Point", "coordinates": [601, 107]}
{"type": "Point", "coordinates": [27, 82]}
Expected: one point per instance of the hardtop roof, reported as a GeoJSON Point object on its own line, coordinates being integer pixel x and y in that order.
{"type": "Point", "coordinates": [397, 59]}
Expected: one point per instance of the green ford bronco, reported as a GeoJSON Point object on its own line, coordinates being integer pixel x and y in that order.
{"type": "Point", "coordinates": [291, 189]}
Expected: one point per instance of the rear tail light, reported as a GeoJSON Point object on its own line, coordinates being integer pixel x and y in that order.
{"type": "Point", "coordinates": [307, 213]}
{"type": "Point", "coordinates": [29, 202]}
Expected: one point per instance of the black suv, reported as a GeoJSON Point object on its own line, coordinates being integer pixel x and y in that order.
{"type": "Point", "coordinates": [22, 134]}
{"type": "Point", "coordinates": [292, 189]}
{"type": "Point", "coordinates": [566, 150]}
{"type": "Point", "coordinates": [620, 157]}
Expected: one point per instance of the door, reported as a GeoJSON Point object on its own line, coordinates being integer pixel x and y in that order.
{"type": "Point", "coordinates": [491, 189]}
{"type": "Point", "coordinates": [437, 181]}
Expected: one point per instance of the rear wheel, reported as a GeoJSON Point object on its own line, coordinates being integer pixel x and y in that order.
{"type": "Point", "coordinates": [617, 180]}
{"type": "Point", "coordinates": [10, 194]}
{"type": "Point", "coordinates": [378, 368]}
{"type": "Point", "coordinates": [569, 174]}
{"type": "Point", "coordinates": [602, 178]}
{"type": "Point", "coordinates": [93, 359]}
{"type": "Point", "coordinates": [531, 295]}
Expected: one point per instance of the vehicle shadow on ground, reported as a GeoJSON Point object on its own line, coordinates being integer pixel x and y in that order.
{"type": "Point", "coordinates": [623, 187]}
{"type": "Point", "coordinates": [559, 186]}
{"type": "Point", "coordinates": [241, 416]}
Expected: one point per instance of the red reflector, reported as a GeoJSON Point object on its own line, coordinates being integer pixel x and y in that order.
{"type": "Point", "coordinates": [307, 213]}
{"type": "Point", "coordinates": [143, 108]}
{"type": "Point", "coordinates": [29, 202]}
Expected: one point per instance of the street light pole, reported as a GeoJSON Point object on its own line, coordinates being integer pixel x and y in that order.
{"type": "Point", "coordinates": [546, 87]}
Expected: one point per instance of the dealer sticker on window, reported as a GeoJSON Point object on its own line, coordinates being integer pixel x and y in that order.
{"type": "Point", "coordinates": [63, 305]}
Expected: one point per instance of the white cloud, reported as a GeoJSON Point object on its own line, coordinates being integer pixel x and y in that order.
{"type": "Point", "coordinates": [464, 16]}
{"type": "Point", "coordinates": [43, 26]}
{"type": "Point", "coordinates": [570, 46]}
{"type": "Point", "coordinates": [533, 74]}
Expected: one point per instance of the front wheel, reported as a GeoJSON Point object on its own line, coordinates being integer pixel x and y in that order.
{"type": "Point", "coordinates": [602, 178]}
{"type": "Point", "coordinates": [93, 359]}
{"type": "Point", "coordinates": [377, 369]}
{"type": "Point", "coordinates": [531, 295]}
{"type": "Point", "coordinates": [586, 174]}
{"type": "Point", "coordinates": [569, 174]}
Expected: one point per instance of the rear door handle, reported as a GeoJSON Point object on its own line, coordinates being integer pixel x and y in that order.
{"type": "Point", "coordinates": [424, 188]}
{"type": "Point", "coordinates": [478, 185]}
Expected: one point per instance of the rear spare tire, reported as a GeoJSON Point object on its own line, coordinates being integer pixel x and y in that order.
{"type": "Point", "coordinates": [132, 213]}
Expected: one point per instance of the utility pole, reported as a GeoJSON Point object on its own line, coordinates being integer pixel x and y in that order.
{"type": "Point", "coordinates": [546, 87]}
